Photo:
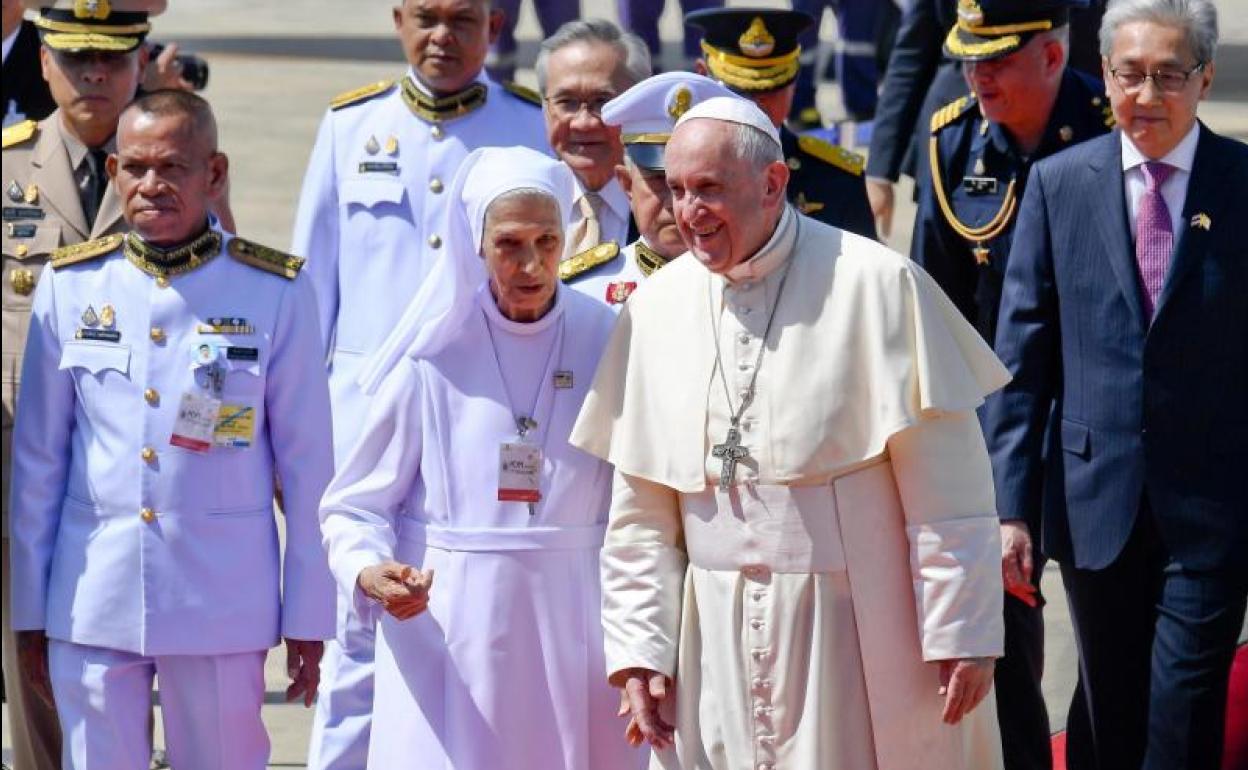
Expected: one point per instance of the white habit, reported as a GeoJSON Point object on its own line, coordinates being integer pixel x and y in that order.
{"type": "Point", "coordinates": [799, 612]}
{"type": "Point", "coordinates": [505, 667]}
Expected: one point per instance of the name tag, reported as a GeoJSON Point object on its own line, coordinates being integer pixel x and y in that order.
{"type": "Point", "coordinates": [22, 212]}
{"type": "Point", "coordinates": [379, 167]}
{"type": "Point", "coordinates": [99, 335]}
{"type": "Point", "coordinates": [236, 353]}
{"type": "Point", "coordinates": [520, 472]}
{"type": "Point", "coordinates": [980, 185]}
{"type": "Point", "coordinates": [22, 231]}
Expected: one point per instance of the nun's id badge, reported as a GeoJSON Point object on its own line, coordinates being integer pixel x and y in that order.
{"type": "Point", "coordinates": [519, 472]}
{"type": "Point", "coordinates": [196, 422]}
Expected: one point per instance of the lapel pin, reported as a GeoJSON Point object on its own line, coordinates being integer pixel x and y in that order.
{"type": "Point", "coordinates": [89, 317]}
{"type": "Point", "coordinates": [392, 145]}
{"type": "Point", "coordinates": [371, 146]}
{"type": "Point", "coordinates": [1202, 221]}
{"type": "Point", "coordinates": [31, 194]}
{"type": "Point", "coordinates": [108, 316]}
{"type": "Point", "coordinates": [1066, 133]}
{"type": "Point", "coordinates": [14, 191]}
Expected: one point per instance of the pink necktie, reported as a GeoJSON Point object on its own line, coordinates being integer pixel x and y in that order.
{"type": "Point", "coordinates": [1154, 234]}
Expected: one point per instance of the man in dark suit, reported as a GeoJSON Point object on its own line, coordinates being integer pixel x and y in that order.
{"type": "Point", "coordinates": [1124, 323]}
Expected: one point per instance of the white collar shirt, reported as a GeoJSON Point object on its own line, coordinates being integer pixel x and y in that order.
{"type": "Point", "coordinates": [1174, 190]}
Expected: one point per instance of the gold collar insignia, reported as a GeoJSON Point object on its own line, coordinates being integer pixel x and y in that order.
{"type": "Point", "coordinates": [160, 262]}
{"type": "Point", "coordinates": [441, 109]}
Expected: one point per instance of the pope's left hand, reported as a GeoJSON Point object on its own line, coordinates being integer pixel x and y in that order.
{"type": "Point", "coordinates": [303, 666]}
{"type": "Point", "coordinates": [964, 682]}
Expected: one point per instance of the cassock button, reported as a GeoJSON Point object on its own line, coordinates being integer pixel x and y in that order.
{"type": "Point", "coordinates": [435, 185]}
{"type": "Point", "coordinates": [151, 396]}
{"type": "Point", "coordinates": [157, 334]}
{"type": "Point", "coordinates": [162, 282]}
{"type": "Point", "coordinates": [437, 133]}
{"type": "Point", "coordinates": [756, 624]}
{"type": "Point", "coordinates": [744, 339]}
{"type": "Point", "coordinates": [147, 515]}
{"type": "Point", "coordinates": [148, 454]}
{"type": "Point", "coordinates": [435, 242]}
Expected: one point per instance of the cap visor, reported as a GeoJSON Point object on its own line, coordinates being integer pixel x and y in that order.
{"type": "Point", "coordinates": [965, 46]}
{"type": "Point", "coordinates": [647, 156]}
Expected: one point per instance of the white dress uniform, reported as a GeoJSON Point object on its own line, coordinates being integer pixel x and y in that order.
{"type": "Point", "coordinates": [370, 223]}
{"type": "Point", "coordinates": [506, 668]}
{"type": "Point", "coordinates": [615, 281]}
{"type": "Point", "coordinates": [144, 544]}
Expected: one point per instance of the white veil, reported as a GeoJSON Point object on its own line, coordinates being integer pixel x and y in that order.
{"type": "Point", "coordinates": [443, 302]}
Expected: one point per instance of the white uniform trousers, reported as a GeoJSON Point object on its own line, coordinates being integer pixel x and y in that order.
{"type": "Point", "coordinates": [344, 702]}
{"type": "Point", "coordinates": [210, 704]}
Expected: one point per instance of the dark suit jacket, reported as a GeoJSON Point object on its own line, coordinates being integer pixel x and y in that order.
{"type": "Point", "coordinates": [23, 77]}
{"type": "Point", "coordinates": [1158, 410]}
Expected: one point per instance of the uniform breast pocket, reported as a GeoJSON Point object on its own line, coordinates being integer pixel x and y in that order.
{"type": "Point", "coordinates": [27, 246]}
{"type": "Point", "coordinates": [244, 367]}
{"type": "Point", "coordinates": [374, 198]}
{"type": "Point", "coordinates": [101, 373]}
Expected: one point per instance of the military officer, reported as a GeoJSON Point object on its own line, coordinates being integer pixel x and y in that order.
{"type": "Point", "coordinates": [645, 115]}
{"type": "Point", "coordinates": [56, 193]}
{"type": "Point", "coordinates": [369, 223]}
{"type": "Point", "coordinates": [1026, 103]}
{"type": "Point", "coordinates": [754, 51]}
{"type": "Point", "coordinates": [169, 375]}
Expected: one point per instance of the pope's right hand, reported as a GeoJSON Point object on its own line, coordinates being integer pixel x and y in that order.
{"type": "Point", "coordinates": [641, 693]}
{"type": "Point", "coordinates": [401, 589]}
{"type": "Point", "coordinates": [1016, 561]}
{"type": "Point", "coordinates": [880, 196]}
{"type": "Point", "coordinates": [32, 657]}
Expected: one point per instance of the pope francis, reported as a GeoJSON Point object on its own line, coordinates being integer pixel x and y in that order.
{"type": "Point", "coordinates": [801, 567]}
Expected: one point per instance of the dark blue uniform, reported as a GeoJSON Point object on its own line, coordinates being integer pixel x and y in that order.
{"type": "Point", "coordinates": [981, 175]}
{"type": "Point", "coordinates": [826, 183]}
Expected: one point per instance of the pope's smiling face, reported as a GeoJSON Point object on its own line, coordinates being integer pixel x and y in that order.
{"type": "Point", "coordinates": [726, 206]}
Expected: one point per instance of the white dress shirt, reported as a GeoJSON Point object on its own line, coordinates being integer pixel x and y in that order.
{"type": "Point", "coordinates": [612, 218]}
{"type": "Point", "coordinates": [9, 40]}
{"type": "Point", "coordinates": [1174, 190]}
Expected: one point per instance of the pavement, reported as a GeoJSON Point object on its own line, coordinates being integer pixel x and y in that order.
{"type": "Point", "coordinates": [274, 67]}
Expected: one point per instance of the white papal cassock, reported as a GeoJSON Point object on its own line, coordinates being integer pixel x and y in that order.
{"type": "Point", "coordinates": [799, 612]}
{"type": "Point", "coordinates": [505, 668]}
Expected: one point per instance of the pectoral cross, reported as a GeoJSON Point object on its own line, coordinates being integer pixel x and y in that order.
{"type": "Point", "coordinates": [731, 452]}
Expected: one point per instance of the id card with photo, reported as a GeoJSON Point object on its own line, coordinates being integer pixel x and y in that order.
{"type": "Point", "coordinates": [519, 472]}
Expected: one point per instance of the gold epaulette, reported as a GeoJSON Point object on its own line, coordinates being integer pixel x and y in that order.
{"type": "Point", "coordinates": [524, 93]}
{"type": "Point", "coordinates": [587, 260]}
{"type": "Point", "coordinates": [951, 112]}
{"type": "Point", "coordinates": [19, 132]}
{"type": "Point", "coordinates": [1106, 109]}
{"type": "Point", "coordinates": [85, 251]}
{"type": "Point", "coordinates": [265, 258]}
{"type": "Point", "coordinates": [831, 153]}
{"type": "Point", "coordinates": [361, 94]}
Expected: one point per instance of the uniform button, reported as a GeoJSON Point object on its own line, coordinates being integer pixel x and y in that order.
{"type": "Point", "coordinates": [21, 250]}
{"type": "Point", "coordinates": [435, 242]}
{"type": "Point", "coordinates": [162, 282]}
{"type": "Point", "coordinates": [151, 396]}
{"type": "Point", "coordinates": [437, 133]}
{"type": "Point", "coordinates": [147, 515]}
{"type": "Point", "coordinates": [157, 334]}
{"type": "Point", "coordinates": [435, 185]}
{"type": "Point", "coordinates": [794, 163]}
{"type": "Point", "coordinates": [148, 454]}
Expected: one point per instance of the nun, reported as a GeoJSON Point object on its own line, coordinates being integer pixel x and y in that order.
{"type": "Point", "coordinates": [464, 471]}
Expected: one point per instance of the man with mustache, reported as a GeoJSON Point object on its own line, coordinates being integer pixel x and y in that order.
{"type": "Point", "coordinates": [370, 223]}
{"type": "Point", "coordinates": [581, 67]}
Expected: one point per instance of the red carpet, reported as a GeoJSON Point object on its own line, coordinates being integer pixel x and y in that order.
{"type": "Point", "coordinates": [1236, 755]}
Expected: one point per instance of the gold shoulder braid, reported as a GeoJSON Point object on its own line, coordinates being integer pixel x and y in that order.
{"type": "Point", "coordinates": [162, 263]}
{"type": "Point", "coordinates": [587, 260]}
{"type": "Point", "coordinates": [361, 94]}
{"type": "Point", "coordinates": [523, 93]}
{"type": "Point", "coordinates": [85, 251]}
{"type": "Point", "coordinates": [265, 258]}
{"type": "Point", "coordinates": [832, 154]}
{"type": "Point", "coordinates": [976, 235]}
{"type": "Point", "coordinates": [432, 110]}
{"type": "Point", "coordinates": [647, 258]}
{"type": "Point", "coordinates": [19, 132]}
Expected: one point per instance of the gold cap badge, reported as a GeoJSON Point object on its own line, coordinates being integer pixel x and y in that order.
{"type": "Point", "coordinates": [680, 102]}
{"type": "Point", "coordinates": [757, 41]}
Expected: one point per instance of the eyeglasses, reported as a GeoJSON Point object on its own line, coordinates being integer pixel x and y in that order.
{"type": "Point", "coordinates": [570, 106]}
{"type": "Point", "coordinates": [1167, 81]}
